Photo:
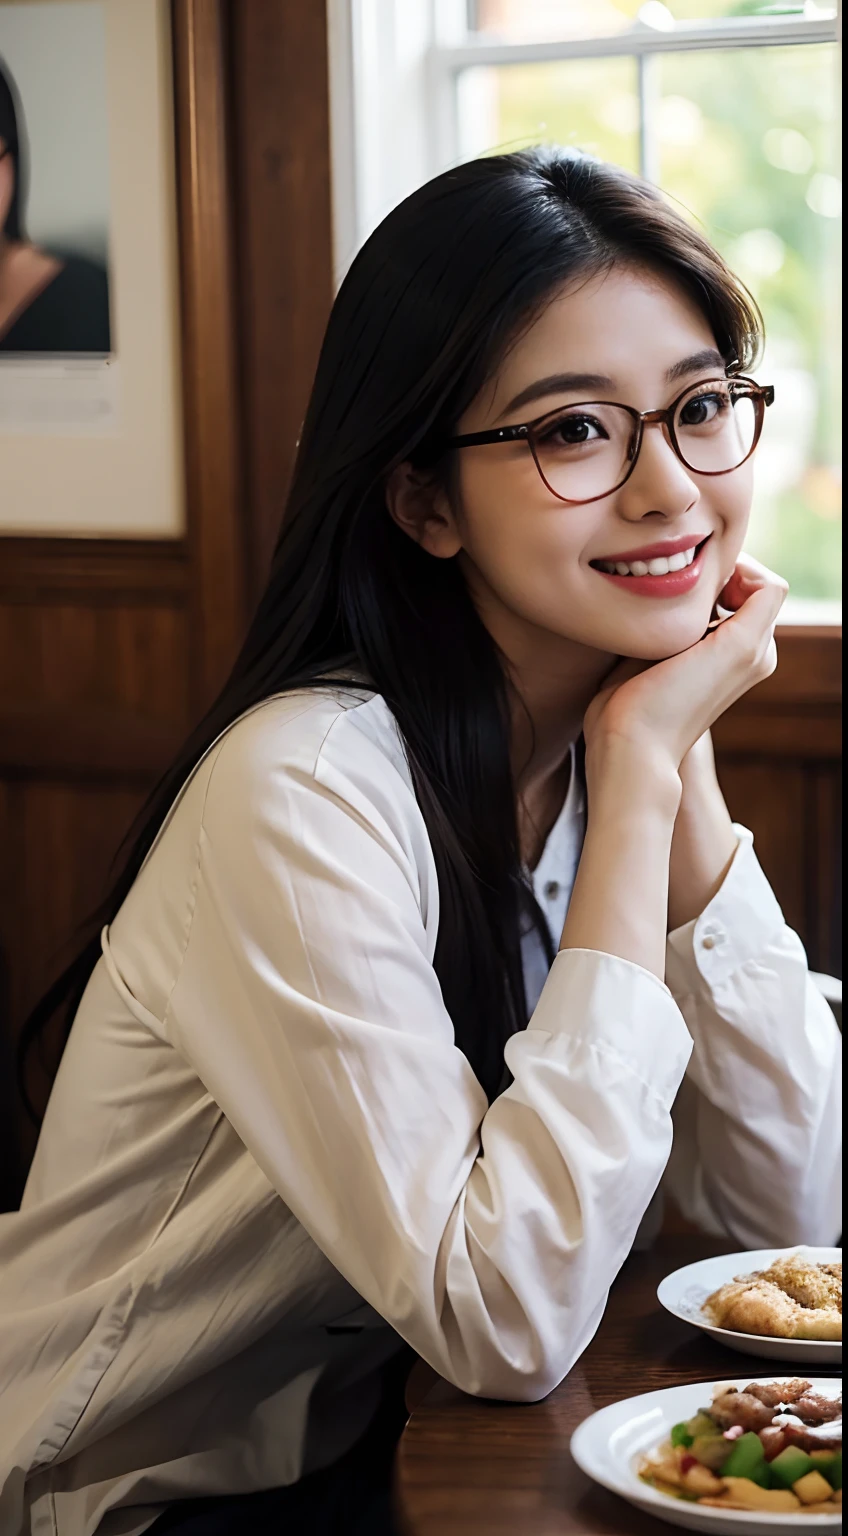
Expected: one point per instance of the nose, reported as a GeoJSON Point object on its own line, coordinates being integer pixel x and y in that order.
{"type": "Point", "coordinates": [660, 485]}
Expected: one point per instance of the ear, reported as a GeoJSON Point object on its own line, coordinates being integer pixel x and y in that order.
{"type": "Point", "coordinates": [420, 506]}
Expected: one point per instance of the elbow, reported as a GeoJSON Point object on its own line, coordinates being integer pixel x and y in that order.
{"type": "Point", "coordinates": [506, 1386]}
{"type": "Point", "coordinates": [517, 1381]}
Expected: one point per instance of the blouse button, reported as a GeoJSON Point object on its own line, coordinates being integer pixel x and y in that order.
{"type": "Point", "coordinates": [708, 941]}
{"type": "Point", "coordinates": [552, 889]}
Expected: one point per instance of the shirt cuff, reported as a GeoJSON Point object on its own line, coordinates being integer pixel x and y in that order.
{"type": "Point", "coordinates": [620, 1011]}
{"type": "Point", "coordinates": [736, 926]}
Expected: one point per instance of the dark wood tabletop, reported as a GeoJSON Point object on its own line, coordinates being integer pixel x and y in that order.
{"type": "Point", "coordinates": [471, 1468]}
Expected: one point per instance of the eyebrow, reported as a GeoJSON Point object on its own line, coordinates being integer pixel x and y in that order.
{"type": "Point", "coordinates": [567, 383]}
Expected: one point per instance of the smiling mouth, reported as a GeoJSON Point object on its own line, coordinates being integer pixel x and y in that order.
{"type": "Point", "coordinates": [659, 565]}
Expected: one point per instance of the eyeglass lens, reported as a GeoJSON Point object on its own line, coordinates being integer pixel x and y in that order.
{"type": "Point", "coordinates": [585, 451]}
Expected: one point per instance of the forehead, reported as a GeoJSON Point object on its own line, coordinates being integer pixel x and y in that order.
{"type": "Point", "coordinates": [630, 325]}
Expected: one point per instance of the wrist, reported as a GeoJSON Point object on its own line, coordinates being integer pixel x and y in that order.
{"type": "Point", "coordinates": [622, 774]}
{"type": "Point", "coordinates": [704, 843]}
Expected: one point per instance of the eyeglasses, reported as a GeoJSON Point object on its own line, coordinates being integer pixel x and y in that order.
{"type": "Point", "coordinates": [585, 452]}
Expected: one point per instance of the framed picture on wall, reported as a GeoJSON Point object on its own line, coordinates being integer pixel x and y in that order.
{"type": "Point", "coordinates": [90, 421]}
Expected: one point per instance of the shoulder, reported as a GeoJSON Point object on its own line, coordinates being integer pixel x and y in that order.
{"type": "Point", "coordinates": [301, 748]}
{"type": "Point", "coordinates": [310, 730]}
{"type": "Point", "coordinates": [318, 779]}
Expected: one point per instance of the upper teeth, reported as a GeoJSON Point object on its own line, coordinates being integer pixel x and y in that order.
{"type": "Point", "coordinates": [657, 567]}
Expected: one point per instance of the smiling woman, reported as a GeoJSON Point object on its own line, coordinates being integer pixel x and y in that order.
{"type": "Point", "coordinates": [437, 950]}
{"type": "Point", "coordinates": [590, 473]}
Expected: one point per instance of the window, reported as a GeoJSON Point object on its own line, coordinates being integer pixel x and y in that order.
{"type": "Point", "coordinates": [731, 106]}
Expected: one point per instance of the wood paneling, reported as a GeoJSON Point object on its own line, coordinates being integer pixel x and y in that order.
{"type": "Point", "coordinates": [214, 469]}
{"type": "Point", "coordinates": [779, 754]}
{"type": "Point", "coordinates": [282, 153]}
{"type": "Point", "coordinates": [98, 656]}
{"type": "Point", "coordinates": [105, 570]}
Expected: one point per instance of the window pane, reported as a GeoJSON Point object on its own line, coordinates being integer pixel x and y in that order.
{"type": "Point", "coordinates": [591, 103]}
{"type": "Point", "coordinates": [747, 140]}
{"type": "Point", "coordinates": [521, 21]}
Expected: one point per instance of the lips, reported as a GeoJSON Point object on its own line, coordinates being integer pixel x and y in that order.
{"type": "Point", "coordinates": [668, 569]}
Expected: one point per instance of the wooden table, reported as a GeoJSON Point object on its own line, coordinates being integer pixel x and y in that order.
{"type": "Point", "coordinates": [472, 1468]}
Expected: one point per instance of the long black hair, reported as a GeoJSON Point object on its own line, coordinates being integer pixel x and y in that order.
{"type": "Point", "coordinates": [12, 134]}
{"type": "Point", "coordinates": [425, 313]}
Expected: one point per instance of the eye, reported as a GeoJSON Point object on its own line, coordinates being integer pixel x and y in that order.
{"type": "Point", "coordinates": [701, 410]}
{"type": "Point", "coordinates": [572, 430]}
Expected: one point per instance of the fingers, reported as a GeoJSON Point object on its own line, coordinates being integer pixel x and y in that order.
{"type": "Point", "coordinates": [748, 578]}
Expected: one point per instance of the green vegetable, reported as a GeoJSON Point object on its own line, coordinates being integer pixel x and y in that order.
{"type": "Point", "coordinates": [702, 1424]}
{"type": "Point", "coordinates": [829, 1463]}
{"type": "Point", "coordinates": [680, 1435]}
{"type": "Point", "coordinates": [710, 1450]}
{"type": "Point", "coordinates": [747, 1459]}
{"type": "Point", "coordinates": [791, 1464]}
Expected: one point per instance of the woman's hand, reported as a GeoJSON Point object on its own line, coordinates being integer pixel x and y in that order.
{"type": "Point", "coordinates": [638, 731]}
{"type": "Point", "coordinates": [655, 712]}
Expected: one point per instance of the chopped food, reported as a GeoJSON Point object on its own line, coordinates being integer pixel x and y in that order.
{"type": "Point", "coordinates": [774, 1447]}
{"type": "Point", "coordinates": [792, 1299]}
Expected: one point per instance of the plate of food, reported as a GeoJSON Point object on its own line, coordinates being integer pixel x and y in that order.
{"type": "Point", "coordinates": [781, 1303]}
{"type": "Point", "coordinates": [737, 1458]}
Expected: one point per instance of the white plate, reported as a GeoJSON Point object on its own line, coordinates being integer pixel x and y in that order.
{"type": "Point", "coordinates": [609, 1445]}
{"type": "Point", "coordinates": [684, 1293]}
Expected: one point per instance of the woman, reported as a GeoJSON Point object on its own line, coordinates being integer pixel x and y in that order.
{"type": "Point", "coordinates": [49, 303]}
{"type": "Point", "coordinates": [355, 1067]}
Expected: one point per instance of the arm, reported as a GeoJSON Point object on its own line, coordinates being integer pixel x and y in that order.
{"type": "Point", "coordinates": [307, 1002]}
{"type": "Point", "coordinates": [757, 1149]}
{"type": "Point", "coordinates": [704, 841]}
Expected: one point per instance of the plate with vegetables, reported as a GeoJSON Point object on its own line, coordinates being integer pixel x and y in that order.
{"type": "Point", "coordinates": [731, 1457]}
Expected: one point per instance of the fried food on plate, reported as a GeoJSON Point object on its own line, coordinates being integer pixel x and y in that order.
{"type": "Point", "coordinates": [792, 1299]}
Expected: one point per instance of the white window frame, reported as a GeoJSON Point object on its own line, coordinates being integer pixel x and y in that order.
{"type": "Point", "coordinates": [394, 66]}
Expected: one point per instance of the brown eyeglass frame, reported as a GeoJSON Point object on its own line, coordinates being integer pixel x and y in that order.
{"type": "Point", "coordinates": [527, 431]}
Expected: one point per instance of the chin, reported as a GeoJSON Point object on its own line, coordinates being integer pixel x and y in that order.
{"type": "Point", "coordinates": [660, 637]}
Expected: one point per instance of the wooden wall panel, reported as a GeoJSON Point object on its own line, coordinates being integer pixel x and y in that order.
{"type": "Point", "coordinates": [779, 754]}
{"type": "Point", "coordinates": [770, 799]}
{"type": "Point", "coordinates": [73, 653]}
{"type": "Point", "coordinates": [282, 158]}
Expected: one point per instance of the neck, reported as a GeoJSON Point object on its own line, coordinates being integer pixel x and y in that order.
{"type": "Point", "coordinates": [548, 704]}
{"type": "Point", "coordinates": [552, 683]}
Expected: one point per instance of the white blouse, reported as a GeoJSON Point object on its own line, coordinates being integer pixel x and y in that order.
{"type": "Point", "coordinates": [265, 1158]}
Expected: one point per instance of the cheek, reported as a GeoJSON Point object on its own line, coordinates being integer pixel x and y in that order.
{"type": "Point", "coordinates": [730, 496]}
{"type": "Point", "coordinates": [527, 550]}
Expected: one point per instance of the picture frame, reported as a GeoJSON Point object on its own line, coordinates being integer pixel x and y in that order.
{"type": "Point", "coordinates": [92, 441]}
